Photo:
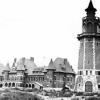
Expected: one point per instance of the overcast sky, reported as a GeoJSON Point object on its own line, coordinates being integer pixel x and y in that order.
{"type": "Point", "coordinates": [42, 29]}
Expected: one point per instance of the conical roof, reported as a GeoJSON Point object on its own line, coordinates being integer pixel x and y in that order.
{"type": "Point", "coordinates": [51, 65]}
{"type": "Point", "coordinates": [90, 8]}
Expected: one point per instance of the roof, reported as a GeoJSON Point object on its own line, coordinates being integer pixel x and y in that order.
{"type": "Point", "coordinates": [30, 66]}
{"type": "Point", "coordinates": [13, 72]}
{"type": "Point", "coordinates": [20, 67]}
{"type": "Point", "coordinates": [39, 69]}
{"type": "Point", "coordinates": [38, 74]}
{"type": "Point", "coordinates": [62, 65]}
{"type": "Point", "coordinates": [51, 65]}
{"type": "Point", "coordinates": [26, 64]}
{"type": "Point", "coordinates": [90, 7]}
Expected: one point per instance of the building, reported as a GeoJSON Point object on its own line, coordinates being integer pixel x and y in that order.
{"type": "Point", "coordinates": [25, 74]}
{"type": "Point", "coordinates": [88, 78]}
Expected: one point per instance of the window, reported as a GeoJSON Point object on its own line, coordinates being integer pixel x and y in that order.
{"type": "Point", "coordinates": [80, 72]}
{"type": "Point", "coordinates": [42, 78]}
{"type": "Point", "coordinates": [90, 72]}
{"type": "Point", "coordinates": [89, 27]}
{"type": "Point", "coordinates": [98, 72]}
{"type": "Point", "coordinates": [98, 86]}
{"type": "Point", "coordinates": [86, 72]}
{"type": "Point", "coordinates": [97, 43]}
{"type": "Point", "coordinates": [54, 77]}
{"type": "Point", "coordinates": [68, 79]}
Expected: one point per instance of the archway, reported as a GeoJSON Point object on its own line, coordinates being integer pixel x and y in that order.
{"type": "Point", "coordinates": [6, 84]}
{"type": "Point", "coordinates": [26, 85]}
{"type": "Point", "coordinates": [89, 27]}
{"type": "Point", "coordinates": [9, 84]}
{"type": "Point", "coordinates": [13, 84]}
{"type": "Point", "coordinates": [29, 85]}
{"type": "Point", "coordinates": [1, 85]}
{"type": "Point", "coordinates": [32, 85]}
{"type": "Point", "coordinates": [88, 86]}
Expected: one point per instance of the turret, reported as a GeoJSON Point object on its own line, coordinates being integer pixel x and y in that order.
{"type": "Point", "coordinates": [90, 23]}
{"type": "Point", "coordinates": [14, 64]}
{"type": "Point", "coordinates": [90, 10]}
{"type": "Point", "coordinates": [50, 73]}
{"type": "Point", "coordinates": [6, 71]}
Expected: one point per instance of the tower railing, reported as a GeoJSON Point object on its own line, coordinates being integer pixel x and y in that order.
{"type": "Point", "coordinates": [97, 18]}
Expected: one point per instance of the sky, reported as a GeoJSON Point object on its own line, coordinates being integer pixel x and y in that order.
{"type": "Point", "coordinates": [42, 29]}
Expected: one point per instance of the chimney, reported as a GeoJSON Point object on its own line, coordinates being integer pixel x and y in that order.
{"type": "Point", "coordinates": [23, 59]}
{"type": "Point", "coordinates": [32, 59]}
{"type": "Point", "coordinates": [65, 61]}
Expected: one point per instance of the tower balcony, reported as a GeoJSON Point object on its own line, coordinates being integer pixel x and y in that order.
{"type": "Point", "coordinates": [85, 18]}
{"type": "Point", "coordinates": [88, 35]}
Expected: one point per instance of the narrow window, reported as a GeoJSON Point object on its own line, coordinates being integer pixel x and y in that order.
{"type": "Point", "coordinates": [98, 86]}
{"type": "Point", "coordinates": [86, 72]}
{"type": "Point", "coordinates": [90, 72]}
{"type": "Point", "coordinates": [98, 72]}
{"type": "Point", "coordinates": [97, 43]}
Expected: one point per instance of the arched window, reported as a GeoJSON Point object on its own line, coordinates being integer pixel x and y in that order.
{"type": "Point", "coordinates": [13, 84]}
{"type": "Point", "coordinates": [29, 85]}
{"type": "Point", "coordinates": [9, 84]}
{"type": "Point", "coordinates": [6, 84]}
{"type": "Point", "coordinates": [89, 27]}
{"type": "Point", "coordinates": [1, 85]}
{"type": "Point", "coordinates": [26, 85]}
{"type": "Point", "coordinates": [21, 84]}
{"type": "Point", "coordinates": [32, 85]}
{"type": "Point", "coordinates": [88, 86]}
{"type": "Point", "coordinates": [21, 77]}
{"type": "Point", "coordinates": [84, 28]}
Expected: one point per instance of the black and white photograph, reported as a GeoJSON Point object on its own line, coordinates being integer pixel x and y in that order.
{"type": "Point", "coordinates": [49, 50]}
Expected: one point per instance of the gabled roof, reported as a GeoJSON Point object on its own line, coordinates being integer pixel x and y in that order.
{"type": "Point", "coordinates": [30, 66]}
{"type": "Point", "coordinates": [62, 65]}
{"type": "Point", "coordinates": [26, 65]}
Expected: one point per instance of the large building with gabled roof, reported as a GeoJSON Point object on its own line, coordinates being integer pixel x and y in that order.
{"type": "Point", "coordinates": [26, 74]}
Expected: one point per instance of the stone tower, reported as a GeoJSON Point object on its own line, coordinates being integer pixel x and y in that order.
{"type": "Point", "coordinates": [50, 74]}
{"type": "Point", "coordinates": [88, 78]}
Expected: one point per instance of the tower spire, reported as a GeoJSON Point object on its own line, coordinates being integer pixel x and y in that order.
{"type": "Point", "coordinates": [90, 9]}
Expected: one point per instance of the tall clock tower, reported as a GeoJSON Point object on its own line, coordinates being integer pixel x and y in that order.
{"type": "Point", "coordinates": [88, 78]}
